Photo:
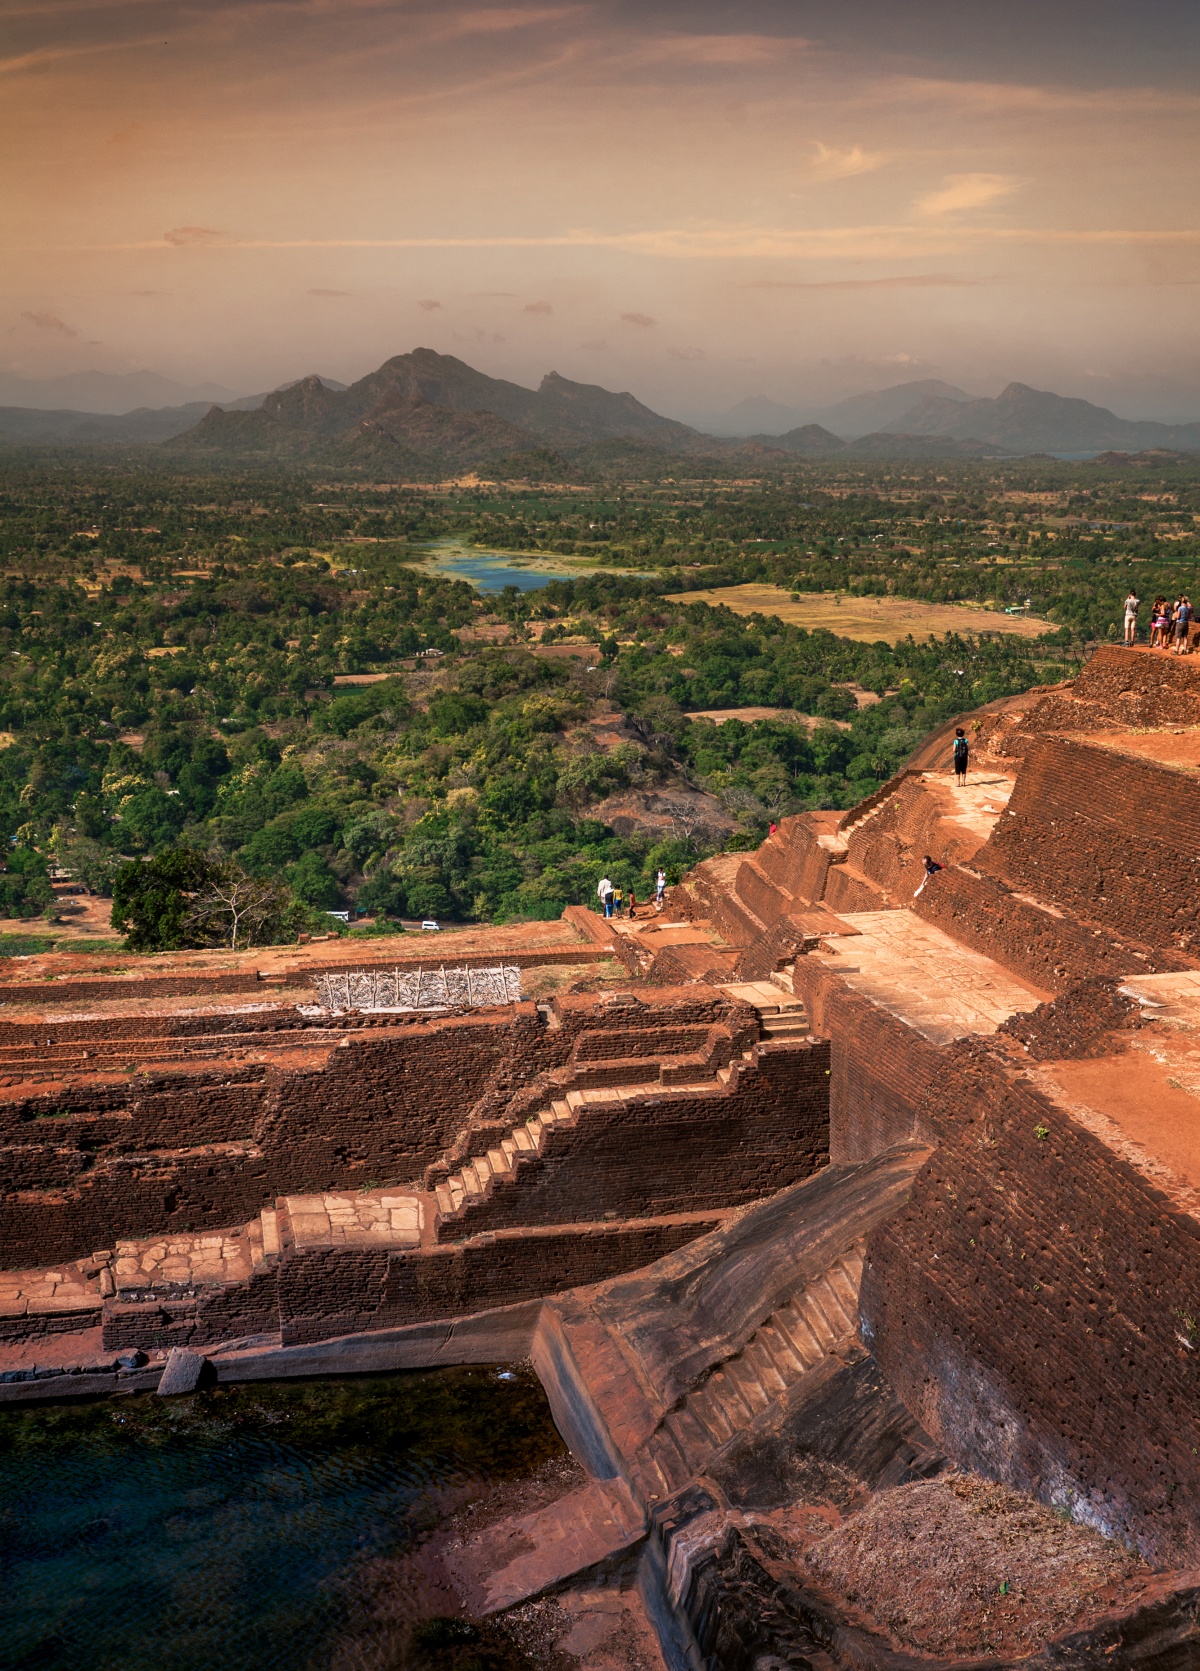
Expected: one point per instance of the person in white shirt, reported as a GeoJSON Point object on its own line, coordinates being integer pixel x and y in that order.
{"type": "Point", "coordinates": [660, 888]}
{"type": "Point", "coordinates": [1132, 604]}
{"type": "Point", "coordinates": [604, 892]}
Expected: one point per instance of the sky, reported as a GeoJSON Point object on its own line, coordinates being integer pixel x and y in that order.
{"type": "Point", "coordinates": [700, 202]}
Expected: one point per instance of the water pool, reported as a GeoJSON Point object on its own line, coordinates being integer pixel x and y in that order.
{"type": "Point", "coordinates": [233, 1529]}
{"type": "Point", "coordinates": [492, 571]}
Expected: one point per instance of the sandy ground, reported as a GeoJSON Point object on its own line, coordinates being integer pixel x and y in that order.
{"type": "Point", "coordinates": [85, 917]}
{"type": "Point", "coordinates": [1144, 1097]}
{"type": "Point", "coordinates": [865, 619]}
{"type": "Point", "coordinates": [1178, 747]}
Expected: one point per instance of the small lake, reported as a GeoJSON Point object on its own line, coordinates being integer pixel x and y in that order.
{"type": "Point", "coordinates": [492, 571]}
{"type": "Point", "coordinates": [243, 1528]}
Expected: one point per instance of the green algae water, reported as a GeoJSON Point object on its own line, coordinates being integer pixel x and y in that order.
{"type": "Point", "coordinates": [230, 1529]}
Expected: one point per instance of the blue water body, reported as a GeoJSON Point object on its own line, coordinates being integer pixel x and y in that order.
{"type": "Point", "coordinates": [236, 1529]}
{"type": "Point", "coordinates": [492, 571]}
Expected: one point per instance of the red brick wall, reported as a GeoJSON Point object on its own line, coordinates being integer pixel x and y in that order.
{"type": "Point", "coordinates": [1025, 1302]}
{"type": "Point", "coordinates": [683, 1154]}
{"type": "Point", "coordinates": [380, 1109]}
{"type": "Point", "coordinates": [317, 1295]}
{"type": "Point", "coordinates": [1052, 951]}
{"type": "Point", "coordinates": [1108, 837]}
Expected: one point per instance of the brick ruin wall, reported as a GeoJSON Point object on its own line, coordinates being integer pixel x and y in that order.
{"type": "Point", "coordinates": [1112, 840]}
{"type": "Point", "coordinates": [1028, 1303]}
{"type": "Point", "coordinates": [378, 1101]}
{"type": "Point", "coordinates": [86, 1165]}
{"type": "Point", "coordinates": [687, 1154]}
{"type": "Point", "coordinates": [328, 1292]}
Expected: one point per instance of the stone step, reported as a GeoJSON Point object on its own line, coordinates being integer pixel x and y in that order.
{"type": "Point", "coordinates": [825, 1299]}
{"type": "Point", "coordinates": [785, 1026]}
{"type": "Point", "coordinates": [815, 1317]}
{"type": "Point", "coordinates": [793, 1324]}
{"type": "Point", "coordinates": [781, 1351]}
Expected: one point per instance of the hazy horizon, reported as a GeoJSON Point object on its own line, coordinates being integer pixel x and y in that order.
{"type": "Point", "coordinates": [698, 203]}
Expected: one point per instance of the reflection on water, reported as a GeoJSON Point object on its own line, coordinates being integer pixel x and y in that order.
{"type": "Point", "coordinates": [226, 1530]}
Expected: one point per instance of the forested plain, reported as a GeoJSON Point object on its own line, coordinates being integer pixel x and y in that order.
{"type": "Point", "coordinates": [170, 643]}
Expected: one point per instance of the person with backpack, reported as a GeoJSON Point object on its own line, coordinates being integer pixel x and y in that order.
{"type": "Point", "coordinates": [962, 756]}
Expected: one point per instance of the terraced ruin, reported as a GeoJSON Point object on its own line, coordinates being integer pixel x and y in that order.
{"type": "Point", "coordinates": [847, 1183]}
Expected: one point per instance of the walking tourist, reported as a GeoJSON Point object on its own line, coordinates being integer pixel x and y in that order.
{"type": "Point", "coordinates": [1183, 617]}
{"type": "Point", "coordinates": [962, 756]}
{"type": "Point", "coordinates": [931, 869]}
{"type": "Point", "coordinates": [604, 890]}
{"type": "Point", "coordinates": [632, 904]}
{"type": "Point", "coordinates": [618, 899]}
{"type": "Point", "coordinates": [1132, 604]}
{"type": "Point", "coordinates": [660, 888]}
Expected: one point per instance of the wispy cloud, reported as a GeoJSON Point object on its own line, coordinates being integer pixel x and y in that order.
{"type": "Point", "coordinates": [728, 51]}
{"type": "Point", "coordinates": [903, 281]}
{"type": "Point", "coordinates": [637, 319]}
{"type": "Point", "coordinates": [180, 236]}
{"type": "Point", "coordinates": [939, 235]}
{"type": "Point", "coordinates": [429, 305]}
{"type": "Point", "coordinates": [839, 162]}
{"type": "Point", "coordinates": [320, 291]}
{"type": "Point", "coordinates": [495, 20]}
{"type": "Point", "coordinates": [966, 191]}
{"type": "Point", "coordinates": [687, 353]}
{"type": "Point", "coordinates": [538, 307]}
{"type": "Point", "coordinates": [50, 322]}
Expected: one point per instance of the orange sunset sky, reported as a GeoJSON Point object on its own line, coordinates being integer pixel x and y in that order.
{"type": "Point", "coordinates": [698, 201]}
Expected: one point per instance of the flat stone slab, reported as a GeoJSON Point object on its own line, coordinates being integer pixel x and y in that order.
{"type": "Point", "coordinates": [182, 1372]}
{"type": "Point", "coordinates": [920, 975]}
{"type": "Point", "coordinates": [516, 1559]}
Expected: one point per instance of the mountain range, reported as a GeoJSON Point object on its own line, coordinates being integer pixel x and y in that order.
{"type": "Point", "coordinates": [1025, 420]}
{"type": "Point", "coordinates": [428, 413]}
{"type": "Point", "coordinates": [423, 409]}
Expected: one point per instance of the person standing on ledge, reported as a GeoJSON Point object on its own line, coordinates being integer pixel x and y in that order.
{"type": "Point", "coordinates": [604, 892]}
{"type": "Point", "coordinates": [1132, 604]}
{"type": "Point", "coordinates": [1183, 616]}
{"type": "Point", "coordinates": [660, 888]}
{"type": "Point", "coordinates": [962, 756]}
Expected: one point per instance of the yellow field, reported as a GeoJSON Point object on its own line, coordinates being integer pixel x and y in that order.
{"type": "Point", "coordinates": [866, 619]}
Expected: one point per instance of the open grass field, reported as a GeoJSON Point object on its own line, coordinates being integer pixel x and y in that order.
{"type": "Point", "coordinates": [749, 715]}
{"type": "Point", "coordinates": [866, 619]}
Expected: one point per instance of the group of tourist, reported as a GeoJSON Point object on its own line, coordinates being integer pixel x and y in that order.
{"type": "Point", "coordinates": [612, 897]}
{"type": "Point", "coordinates": [1169, 622]}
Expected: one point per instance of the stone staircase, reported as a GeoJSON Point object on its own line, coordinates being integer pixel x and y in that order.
{"type": "Point", "coordinates": [818, 1323]}
{"type": "Point", "coordinates": [689, 1075]}
{"type": "Point", "coordinates": [781, 1012]}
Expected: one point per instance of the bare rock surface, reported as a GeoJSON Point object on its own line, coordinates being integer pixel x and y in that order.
{"type": "Point", "coordinates": [958, 1565]}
